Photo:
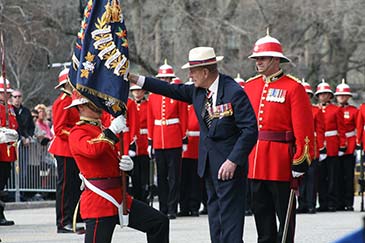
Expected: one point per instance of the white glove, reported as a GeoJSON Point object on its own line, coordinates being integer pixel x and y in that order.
{"type": "Point", "coordinates": [118, 124]}
{"type": "Point", "coordinates": [340, 153]}
{"type": "Point", "coordinates": [131, 153]}
{"type": "Point", "coordinates": [126, 163]}
{"type": "Point", "coordinates": [184, 147]}
{"type": "Point", "coordinates": [150, 151]}
{"type": "Point", "coordinates": [358, 156]}
{"type": "Point", "coordinates": [8, 135]}
{"type": "Point", "coordinates": [322, 157]}
{"type": "Point", "coordinates": [296, 174]}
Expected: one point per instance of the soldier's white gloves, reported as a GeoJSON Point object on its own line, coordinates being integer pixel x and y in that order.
{"type": "Point", "coordinates": [118, 124]}
{"type": "Point", "coordinates": [358, 156]}
{"type": "Point", "coordinates": [8, 135]}
{"type": "Point", "coordinates": [340, 153]}
{"type": "Point", "coordinates": [150, 151]}
{"type": "Point", "coordinates": [296, 174]}
{"type": "Point", "coordinates": [126, 163]}
{"type": "Point", "coordinates": [322, 157]}
{"type": "Point", "coordinates": [184, 147]}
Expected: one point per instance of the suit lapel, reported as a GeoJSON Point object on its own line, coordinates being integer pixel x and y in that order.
{"type": "Point", "coordinates": [219, 100]}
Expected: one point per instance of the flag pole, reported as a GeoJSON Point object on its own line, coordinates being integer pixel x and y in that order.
{"type": "Point", "coordinates": [124, 177]}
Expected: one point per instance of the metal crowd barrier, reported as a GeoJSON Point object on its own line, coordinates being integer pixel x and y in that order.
{"type": "Point", "coordinates": [33, 171]}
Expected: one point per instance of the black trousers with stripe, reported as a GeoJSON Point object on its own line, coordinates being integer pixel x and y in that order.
{"type": "Point", "coordinates": [141, 217]}
{"type": "Point", "coordinates": [270, 199]}
{"type": "Point", "coordinates": [67, 190]}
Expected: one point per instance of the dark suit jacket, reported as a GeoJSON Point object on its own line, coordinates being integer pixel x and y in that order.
{"type": "Point", "coordinates": [230, 137]}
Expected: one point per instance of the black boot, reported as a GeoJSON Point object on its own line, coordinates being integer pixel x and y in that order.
{"type": "Point", "coordinates": [3, 221]}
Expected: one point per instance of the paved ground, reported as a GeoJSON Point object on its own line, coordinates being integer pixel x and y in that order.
{"type": "Point", "coordinates": [37, 225]}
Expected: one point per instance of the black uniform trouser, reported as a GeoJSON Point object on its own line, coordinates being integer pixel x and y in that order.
{"type": "Point", "coordinates": [270, 199]}
{"type": "Point", "coordinates": [226, 206]}
{"type": "Point", "coordinates": [140, 177]}
{"type": "Point", "coordinates": [190, 191]}
{"type": "Point", "coordinates": [168, 163]}
{"type": "Point", "coordinates": [141, 217]}
{"type": "Point", "coordinates": [5, 168]}
{"type": "Point", "coordinates": [328, 182]}
{"type": "Point", "coordinates": [67, 190]}
{"type": "Point", "coordinates": [346, 181]}
{"type": "Point", "coordinates": [308, 187]}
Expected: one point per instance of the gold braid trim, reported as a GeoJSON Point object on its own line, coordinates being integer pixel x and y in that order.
{"type": "Point", "coordinates": [101, 139]}
{"type": "Point", "coordinates": [305, 156]}
{"type": "Point", "coordinates": [250, 79]}
{"type": "Point", "coordinates": [63, 131]}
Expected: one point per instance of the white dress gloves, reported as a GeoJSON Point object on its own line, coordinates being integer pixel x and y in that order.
{"type": "Point", "coordinates": [118, 124]}
{"type": "Point", "coordinates": [8, 135]}
{"type": "Point", "coordinates": [126, 163]}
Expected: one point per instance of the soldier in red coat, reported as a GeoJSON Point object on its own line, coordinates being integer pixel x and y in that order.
{"type": "Point", "coordinates": [191, 184]}
{"type": "Point", "coordinates": [307, 198]}
{"type": "Point", "coordinates": [166, 124]}
{"type": "Point", "coordinates": [68, 182]}
{"type": "Point", "coordinates": [9, 125]}
{"type": "Point", "coordinates": [284, 149]}
{"type": "Point", "coordinates": [140, 173]}
{"type": "Point", "coordinates": [347, 161]}
{"type": "Point", "coordinates": [335, 140]}
{"type": "Point", "coordinates": [97, 156]}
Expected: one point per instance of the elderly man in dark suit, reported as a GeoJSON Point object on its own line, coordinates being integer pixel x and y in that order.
{"type": "Point", "coordinates": [228, 132]}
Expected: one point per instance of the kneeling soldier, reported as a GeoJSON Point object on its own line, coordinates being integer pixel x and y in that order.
{"type": "Point", "coordinates": [96, 155]}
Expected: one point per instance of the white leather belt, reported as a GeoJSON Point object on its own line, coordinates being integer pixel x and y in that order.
{"type": "Point", "coordinates": [167, 122]}
{"type": "Point", "coordinates": [143, 131]}
{"type": "Point", "coordinates": [193, 133]}
{"type": "Point", "coordinates": [331, 133]}
{"type": "Point", "coordinates": [351, 134]}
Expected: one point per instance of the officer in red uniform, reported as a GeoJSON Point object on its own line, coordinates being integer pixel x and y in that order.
{"type": "Point", "coordinates": [191, 184]}
{"type": "Point", "coordinates": [285, 122]}
{"type": "Point", "coordinates": [131, 131]}
{"type": "Point", "coordinates": [68, 182]}
{"type": "Point", "coordinates": [140, 173]}
{"type": "Point", "coordinates": [7, 148]}
{"type": "Point", "coordinates": [307, 198]}
{"type": "Point", "coordinates": [166, 124]}
{"type": "Point", "coordinates": [97, 157]}
{"type": "Point", "coordinates": [335, 140]}
{"type": "Point", "coordinates": [347, 161]}
{"type": "Point", "coordinates": [360, 135]}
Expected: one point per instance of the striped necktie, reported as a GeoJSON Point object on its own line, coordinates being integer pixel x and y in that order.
{"type": "Point", "coordinates": [208, 104]}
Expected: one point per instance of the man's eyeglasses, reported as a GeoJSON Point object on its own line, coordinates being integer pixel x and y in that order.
{"type": "Point", "coordinates": [17, 96]}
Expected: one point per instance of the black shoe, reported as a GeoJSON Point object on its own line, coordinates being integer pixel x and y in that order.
{"type": "Point", "coordinates": [194, 213]}
{"type": "Point", "coordinates": [68, 229]}
{"type": "Point", "coordinates": [183, 214]}
{"type": "Point", "coordinates": [312, 210]}
{"type": "Point", "coordinates": [349, 208]}
{"type": "Point", "coordinates": [171, 216]}
{"type": "Point", "coordinates": [4, 222]}
{"type": "Point", "coordinates": [301, 210]}
{"type": "Point", "coordinates": [204, 211]}
{"type": "Point", "coordinates": [248, 212]}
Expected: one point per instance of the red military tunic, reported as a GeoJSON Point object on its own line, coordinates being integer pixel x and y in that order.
{"type": "Point", "coordinates": [141, 141]}
{"type": "Point", "coordinates": [350, 116]}
{"type": "Point", "coordinates": [97, 157]}
{"type": "Point", "coordinates": [319, 129]}
{"type": "Point", "coordinates": [166, 121]}
{"type": "Point", "coordinates": [63, 121]}
{"type": "Point", "coordinates": [7, 151]}
{"type": "Point", "coordinates": [129, 135]}
{"type": "Point", "coordinates": [360, 126]}
{"type": "Point", "coordinates": [281, 105]}
{"type": "Point", "coordinates": [334, 129]}
{"type": "Point", "coordinates": [192, 134]}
